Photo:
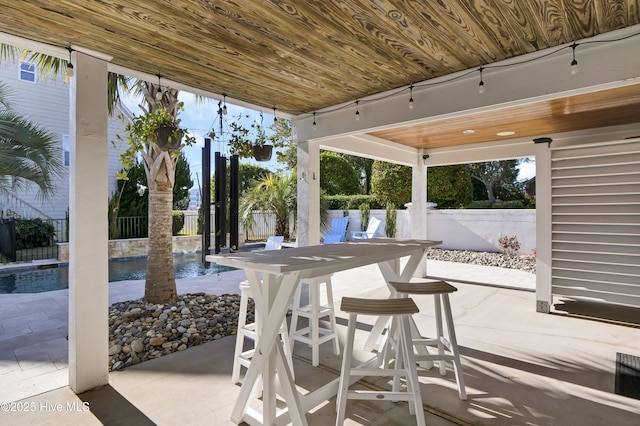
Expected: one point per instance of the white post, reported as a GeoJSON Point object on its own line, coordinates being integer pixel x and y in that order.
{"type": "Point", "coordinates": [418, 212]}
{"type": "Point", "coordinates": [88, 255]}
{"type": "Point", "coordinates": [543, 228]}
{"type": "Point", "coordinates": [308, 193]}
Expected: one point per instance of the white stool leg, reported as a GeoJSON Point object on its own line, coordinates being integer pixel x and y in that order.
{"type": "Point", "coordinates": [314, 322]}
{"type": "Point", "coordinates": [332, 316]}
{"type": "Point", "coordinates": [343, 387]}
{"type": "Point", "coordinates": [453, 343]}
{"type": "Point", "coordinates": [242, 322]}
{"type": "Point", "coordinates": [413, 383]}
{"type": "Point", "coordinates": [293, 328]}
{"type": "Point", "coordinates": [440, 333]}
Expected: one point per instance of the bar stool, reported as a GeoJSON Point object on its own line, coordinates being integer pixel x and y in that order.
{"type": "Point", "coordinates": [251, 331]}
{"type": "Point", "coordinates": [447, 348]}
{"type": "Point", "coordinates": [400, 310]}
{"type": "Point", "coordinates": [313, 334]}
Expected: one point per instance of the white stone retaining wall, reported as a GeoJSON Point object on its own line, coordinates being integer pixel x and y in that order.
{"type": "Point", "coordinates": [134, 247]}
{"type": "Point", "coordinates": [476, 229]}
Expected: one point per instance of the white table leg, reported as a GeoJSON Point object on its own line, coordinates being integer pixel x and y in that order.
{"type": "Point", "coordinates": [273, 296]}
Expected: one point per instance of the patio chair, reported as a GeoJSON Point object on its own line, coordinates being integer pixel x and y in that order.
{"type": "Point", "coordinates": [372, 228]}
{"type": "Point", "coordinates": [274, 242]}
{"type": "Point", "coordinates": [339, 227]}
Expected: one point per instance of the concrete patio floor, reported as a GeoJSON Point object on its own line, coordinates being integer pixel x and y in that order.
{"type": "Point", "coordinates": [520, 367]}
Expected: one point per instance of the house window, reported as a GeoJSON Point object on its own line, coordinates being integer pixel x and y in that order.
{"type": "Point", "coordinates": [27, 72]}
{"type": "Point", "coordinates": [65, 150]}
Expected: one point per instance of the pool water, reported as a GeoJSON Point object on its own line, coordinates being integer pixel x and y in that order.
{"type": "Point", "coordinates": [56, 277]}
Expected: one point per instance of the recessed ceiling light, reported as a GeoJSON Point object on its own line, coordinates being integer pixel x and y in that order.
{"type": "Point", "coordinates": [469, 131]}
{"type": "Point", "coordinates": [505, 133]}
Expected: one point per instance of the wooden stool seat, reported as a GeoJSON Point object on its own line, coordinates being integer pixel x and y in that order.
{"type": "Point", "coordinates": [423, 287]}
{"type": "Point", "coordinates": [400, 310]}
{"type": "Point", "coordinates": [447, 347]}
{"type": "Point", "coordinates": [379, 306]}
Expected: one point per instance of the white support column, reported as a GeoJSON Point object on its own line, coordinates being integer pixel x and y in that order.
{"type": "Point", "coordinates": [418, 213]}
{"type": "Point", "coordinates": [308, 193]}
{"type": "Point", "coordinates": [88, 255]}
{"type": "Point", "coordinates": [543, 228]}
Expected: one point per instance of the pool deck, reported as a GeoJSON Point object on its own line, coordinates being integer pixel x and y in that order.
{"type": "Point", "coordinates": [520, 367]}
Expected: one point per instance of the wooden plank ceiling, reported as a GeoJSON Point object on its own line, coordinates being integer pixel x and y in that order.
{"type": "Point", "coordinates": [302, 56]}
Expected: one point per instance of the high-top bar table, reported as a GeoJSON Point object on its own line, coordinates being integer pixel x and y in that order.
{"type": "Point", "coordinates": [273, 277]}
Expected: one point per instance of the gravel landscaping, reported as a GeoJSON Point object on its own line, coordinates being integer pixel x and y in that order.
{"type": "Point", "coordinates": [140, 331]}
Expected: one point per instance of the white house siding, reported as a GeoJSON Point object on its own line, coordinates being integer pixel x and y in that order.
{"type": "Point", "coordinates": [46, 103]}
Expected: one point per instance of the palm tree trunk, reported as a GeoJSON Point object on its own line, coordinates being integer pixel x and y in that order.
{"type": "Point", "coordinates": [160, 283]}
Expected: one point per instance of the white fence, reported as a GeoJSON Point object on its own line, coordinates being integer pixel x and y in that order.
{"type": "Point", "coordinates": [477, 230]}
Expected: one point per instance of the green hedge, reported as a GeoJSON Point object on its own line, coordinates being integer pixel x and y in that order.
{"type": "Point", "coordinates": [512, 204]}
{"type": "Point", "coordinates": [31, 233]}
{"type": "Point", "coordinates": [351, 202]}
{"type": "Point", "coordinates": [177, 222]}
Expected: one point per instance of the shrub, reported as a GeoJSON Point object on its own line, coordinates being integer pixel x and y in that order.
{"type": "Point", "coordinates": [177, 222]}
{"type": "Point", "coordinates": [391, 183]}
{"type": "Point", "coordinates": [31, 233]}
{"type": "Point", "coordinates": [364, 216]}
{"type": "Point", "coordinates": [392, 215]}
{"type": "Point", "coordinates": [511, 204]}
{"type": "Point", "coordinates": [510, 245]}
{"type": "Point", "coordinates": [479, 204]}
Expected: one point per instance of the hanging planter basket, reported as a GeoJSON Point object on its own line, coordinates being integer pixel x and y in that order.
{"type": "Point", "coordinates": [169, 137]}
{"type": "Point", "coordinates": [262, 152]}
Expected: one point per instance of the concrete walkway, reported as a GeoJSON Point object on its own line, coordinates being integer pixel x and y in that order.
{"type": "Point", "coordinates": [520, 366]}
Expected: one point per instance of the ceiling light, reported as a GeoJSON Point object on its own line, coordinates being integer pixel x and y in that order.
{"type": "Point", "coordinates": [469, 132]}
{"type": "Point", "coordinates": [411, 97]}
{"type": "Point", "coordinates": [357, 111]}
{"type": "Point", "coordinates": [508, 133]}
{"type": "Point", "coordinates": [69, 71]}
{"type": "Point", "coordinates": [481, 87]}
{"type": "Point", "coordinates": [159, 91]}
{"type": "Point", "coordinates": [574, 63]}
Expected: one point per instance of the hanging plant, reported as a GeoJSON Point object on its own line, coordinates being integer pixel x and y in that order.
{"type": "Point", "coordinates": [157, 127]}
{"type": "Point", "coordinates": [256, 141]}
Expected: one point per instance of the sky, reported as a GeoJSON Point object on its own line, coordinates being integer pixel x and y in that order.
{"type": "Point", "coordinates": [201, 116]}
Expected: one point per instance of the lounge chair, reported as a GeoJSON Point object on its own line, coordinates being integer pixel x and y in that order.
{"type": "Point", "coordinates": [372, 228]}
{"type": "Point", "coordinates": [274, 242]}
{"type": "Point", "coordinates": [339, 228]}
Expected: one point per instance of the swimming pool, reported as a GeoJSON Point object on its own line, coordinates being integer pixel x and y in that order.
{"type": "Point", "coordinates": [56, 277]}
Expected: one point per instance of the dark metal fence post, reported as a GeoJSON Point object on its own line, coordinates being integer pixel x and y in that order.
{"type": "Point", "coordinates": [8, 239]}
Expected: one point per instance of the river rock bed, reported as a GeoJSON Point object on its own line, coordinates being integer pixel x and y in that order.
{"type": "Point", "coordinates": [140, 331]}
{"type": "Point", "coordinates": [525, 263]}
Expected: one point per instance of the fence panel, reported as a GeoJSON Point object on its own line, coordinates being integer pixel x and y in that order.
{"type": "Point", "coordinates": [37, 239]}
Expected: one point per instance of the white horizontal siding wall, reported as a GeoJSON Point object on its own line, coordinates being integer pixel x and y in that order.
{"type": "Point", "coordinates": [46, 103]}
{"type": "Point", "coordinates": [595, 236]}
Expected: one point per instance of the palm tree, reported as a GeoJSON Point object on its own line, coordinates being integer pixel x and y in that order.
{"type": "Point", "coordinates": [29, 154]}
{"type": "Point", "coordinates": [160, 285]}
{"type": "Point", "coordinates": [160, 166]}
{"type": "Point", "coordinates": [275, 193]}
